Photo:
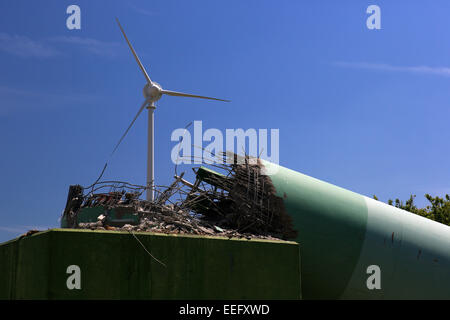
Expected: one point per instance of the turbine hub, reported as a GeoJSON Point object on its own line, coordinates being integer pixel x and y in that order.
{"type": "Point", "coordinates": [152, 92]}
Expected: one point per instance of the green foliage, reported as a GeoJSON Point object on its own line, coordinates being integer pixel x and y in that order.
{"type": "Point", "coordinates": [438, 210]}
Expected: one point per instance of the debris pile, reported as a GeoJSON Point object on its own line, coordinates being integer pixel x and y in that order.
{"type": "Point", "coordinates": [239, 202]}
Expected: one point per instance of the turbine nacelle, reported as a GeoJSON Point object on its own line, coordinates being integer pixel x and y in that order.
{"type": "Point", "coordinates": [152, 92]}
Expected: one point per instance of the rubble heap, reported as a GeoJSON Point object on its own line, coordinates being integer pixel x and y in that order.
{"type": "Point", "coordinates": [240, 202]}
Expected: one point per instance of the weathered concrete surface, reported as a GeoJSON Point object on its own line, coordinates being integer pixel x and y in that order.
{"type": "Point", "coordinates": [115, 266]}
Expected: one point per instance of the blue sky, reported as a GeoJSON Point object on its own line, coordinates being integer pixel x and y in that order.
{"type": "Point", "coordinates": [367, 110]}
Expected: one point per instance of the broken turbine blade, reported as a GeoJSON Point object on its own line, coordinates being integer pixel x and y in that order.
{"type": "Point", "coordinates": [181, 94]}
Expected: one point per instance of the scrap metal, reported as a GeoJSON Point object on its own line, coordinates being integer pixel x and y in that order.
{"type": "Point", "coordinates": [239, 201]}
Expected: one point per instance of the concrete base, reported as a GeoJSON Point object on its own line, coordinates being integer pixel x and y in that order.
{"type": "Point", "coordinates": [114, 265]}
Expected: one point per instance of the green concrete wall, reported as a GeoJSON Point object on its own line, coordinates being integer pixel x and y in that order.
{"type": "Point", "coordinates": [115, 266]}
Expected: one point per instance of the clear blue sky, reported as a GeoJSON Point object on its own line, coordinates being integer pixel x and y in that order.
{"type": "Point", "coordinates": [367, 110]}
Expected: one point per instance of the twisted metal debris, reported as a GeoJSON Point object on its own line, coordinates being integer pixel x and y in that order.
{"type": "Point", "coordinates": [239, 201]}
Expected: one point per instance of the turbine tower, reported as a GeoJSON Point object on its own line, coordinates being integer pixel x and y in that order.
{"type": "Point", "coordinates": [152, 93]}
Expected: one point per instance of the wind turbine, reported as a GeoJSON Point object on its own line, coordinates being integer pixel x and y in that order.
{"type": "Point", "coordinates": [152, 93]}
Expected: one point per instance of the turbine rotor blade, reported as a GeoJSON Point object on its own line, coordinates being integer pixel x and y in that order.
{"type": "Point", "coordinates": [134, 53]}
{"type": "Point", "coordinates": [180, 94]}
{"type": "Point", "coordinates": [131, 124]}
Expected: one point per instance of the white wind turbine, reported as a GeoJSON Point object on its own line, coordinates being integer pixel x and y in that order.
{"type": "Point", "coordinates": [152, 93]}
